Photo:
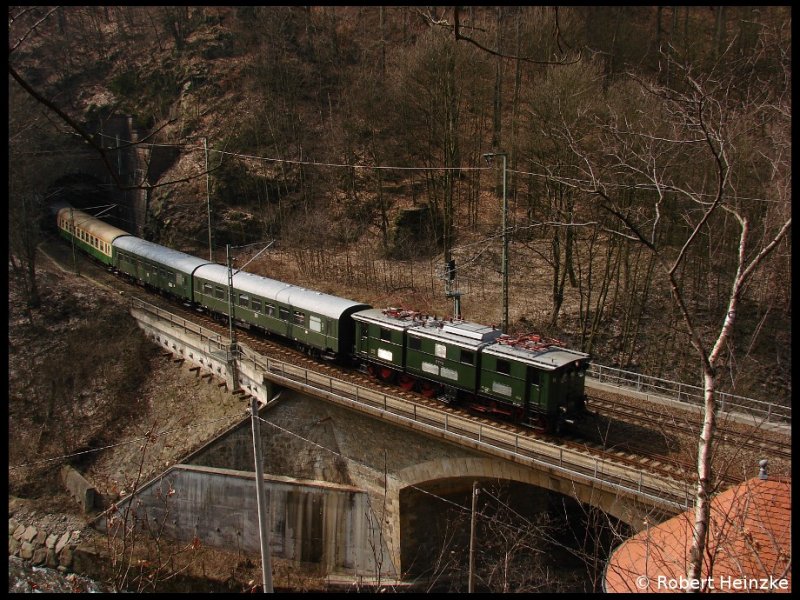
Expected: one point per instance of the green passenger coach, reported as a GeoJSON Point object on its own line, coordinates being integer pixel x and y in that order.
{"type": "Point", "coordinates": [160, 268]}
{"type": "Point", "coordinates": [320, 324]}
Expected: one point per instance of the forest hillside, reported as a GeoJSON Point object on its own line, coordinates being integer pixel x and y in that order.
{"type": "Point", "coordinates": [646, 154]}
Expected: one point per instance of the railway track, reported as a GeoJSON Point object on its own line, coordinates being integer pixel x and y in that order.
{"type": "Point", "coordinates": [263, 344]}
{"type": "Point", "coordinates": [621, 454]}
{"type": "Point", "coordinates": [687, 423]}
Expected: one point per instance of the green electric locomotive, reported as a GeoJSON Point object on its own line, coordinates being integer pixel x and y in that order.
{"type": "Point", "coordinates": [527, 379]}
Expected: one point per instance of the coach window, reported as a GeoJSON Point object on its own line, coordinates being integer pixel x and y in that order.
{"type": "Point", "coordinates": [208, 289]}
{"type": "Point", "coordinates": [467, 357]}
{"type": "Point", "coordinates": [270, 310]}
{"type": "Point", "coordinates": [255, 305]}
{"type": "Point", "coordinates": [283, 313]}
{"type": "Point", "coordinates": [244, 300]}
{"type": "Point", "coordinates": [299, 317]}
{"type": "Point", "coordinates": [219, 293]}
{"type": "Point", "coordinates": [504, 367]}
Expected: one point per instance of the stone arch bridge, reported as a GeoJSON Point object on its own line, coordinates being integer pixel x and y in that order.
{"type": "Point", "coordinates": [355, 475]}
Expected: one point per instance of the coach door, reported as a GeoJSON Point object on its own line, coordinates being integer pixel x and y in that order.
{"type": "Point", "coordinates": [533, 392]}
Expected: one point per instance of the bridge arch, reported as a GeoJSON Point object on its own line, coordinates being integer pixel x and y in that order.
{"type": "Point", "coordinates": [623, 508]}
{"type": "Point", "coordinates": [420, 484]}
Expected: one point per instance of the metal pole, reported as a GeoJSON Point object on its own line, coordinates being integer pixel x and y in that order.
{"type": "Point", "coordinates": [231, 332]}
{"type": "Point", "coordinates": [263, 521]}
{"type": "Point", "coordinates": [470, 584]}
{"type": "Point", "coordinates": [208, 201]}
{"type": "Point", "coordinates": [505, 250]}
{"type": "Point", "coordinates": [72, 237]}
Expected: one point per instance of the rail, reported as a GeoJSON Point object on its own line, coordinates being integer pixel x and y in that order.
{"type": "Point", "coordinates": [771, 412]}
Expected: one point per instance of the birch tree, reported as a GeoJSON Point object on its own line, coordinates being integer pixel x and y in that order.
{"type": "Point", "coordinates": [705, 161]}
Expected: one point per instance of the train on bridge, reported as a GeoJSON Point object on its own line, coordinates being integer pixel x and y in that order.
{"type": "Point", "coordinates": [528, 379]}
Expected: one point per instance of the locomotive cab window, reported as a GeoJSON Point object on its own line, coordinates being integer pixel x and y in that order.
{"type": "Point", "coordinates": [504, 367]}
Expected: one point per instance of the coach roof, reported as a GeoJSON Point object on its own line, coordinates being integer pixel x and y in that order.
{"type": "Point", "coordinates": [180, 261]}
{"type": "Point", "coordinates": [284, 293]}
{"type": "Point", "coordinates": [99, 229]}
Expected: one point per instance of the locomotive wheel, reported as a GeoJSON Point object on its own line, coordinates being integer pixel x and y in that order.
{"type": "Point", "coordinates": [428, 389]}
{"type": "Point", "coordinates": [406, 382]}
{"type": "Point", "coordinates": [386, 374]}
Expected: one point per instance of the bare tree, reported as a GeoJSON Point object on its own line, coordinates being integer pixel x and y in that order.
{"type": "Point", "coordinates": [684, 154]}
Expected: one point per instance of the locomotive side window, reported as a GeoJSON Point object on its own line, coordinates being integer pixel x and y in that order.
{"type": "Point", "coordinates": [440, 350]}
{"type": "Point", "coordinates": [504, 367]}
{"type": "Point", "coordinates": [414, 343]}
{"type": "Point", "coordinates": [467, 357]}
{"type": "Point", "coordinates": [386, 335]}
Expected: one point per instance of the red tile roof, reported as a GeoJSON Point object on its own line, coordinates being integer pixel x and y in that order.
{"type": "Point", "coordinates": [749, 546]}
